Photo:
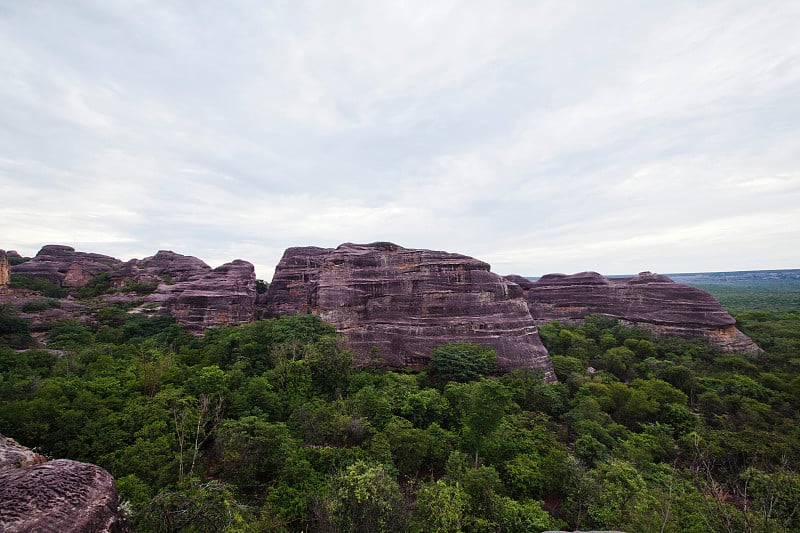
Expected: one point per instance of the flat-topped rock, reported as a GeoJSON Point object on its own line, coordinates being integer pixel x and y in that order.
{"type": "Point", "coordinates": [63, 266]}
{"type": "Point", "coordinates": [398, 304]}
{"type": "Point", "coordinates": [62, 495]}
{"type": "Point", "coordinates": [650, 300]}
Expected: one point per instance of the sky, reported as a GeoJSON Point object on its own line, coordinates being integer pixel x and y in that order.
{"type": "Point", "coordinates": [538, 136]}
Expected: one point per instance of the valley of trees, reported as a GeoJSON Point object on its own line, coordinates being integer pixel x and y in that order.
{"type": "Point", "coordinates": [268, 427]}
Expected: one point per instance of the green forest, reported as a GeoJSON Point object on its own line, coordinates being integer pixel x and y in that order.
{"type": "Point", "coordinates": [269, 427]}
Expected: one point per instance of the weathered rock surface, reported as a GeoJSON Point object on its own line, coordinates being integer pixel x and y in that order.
{"type": "Point", "coordinates": [223, 296]}
{"type": "Point", "coordinates": [398, 304]}
{"type": "Point", "coordinates": [61, 495]}
{"type": "Point", "coordinates": [649, 300]}
{"type": "Point", "coordinates": [64, 266]}
{"type": "Point", "coordinates": [197, 295]}
{"type": "Point", "coordinates": [164, 265]}
{"type": "Point", "coordinates": [5, 270]}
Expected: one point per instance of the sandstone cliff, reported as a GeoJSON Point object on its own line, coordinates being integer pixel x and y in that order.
{"type": "Point", "coordinates": [223, 296]}
{"type": "Point", "coordinates": [197, 295]}
{"type": "Point", "coordinates": [648, 300]}
{"type": "Point", "coordinates": [61, 495]}
{"type": "Point", "coordinates": [397, 304]}
{"type": "Point", "coordinates": [63, 266]}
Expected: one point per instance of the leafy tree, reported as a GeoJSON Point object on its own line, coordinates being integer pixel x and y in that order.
{"type": "Point", "coordinates": [462, 361]}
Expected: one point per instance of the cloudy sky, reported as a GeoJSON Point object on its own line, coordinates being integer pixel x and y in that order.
{"type": "Point", "coordinates": [539, 136]}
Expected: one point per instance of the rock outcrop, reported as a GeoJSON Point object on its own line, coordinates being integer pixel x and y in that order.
{"type": "Point", "coordinates": [197, 295]}
{"type": "Point", "coordinates": [63, 266]}
{"type": "Point", "coordinates": [648, 300]}
{"type": "Point", "coordinates": [5, 270]}
{"type": "Point", "coordinates": [61, 495]}
{"type": "Point", "coordinates": [223, 296]}
{"type": "Point", "coordinates": [397, 304]}
{"type": "Point", "coordinates": [163, 267]}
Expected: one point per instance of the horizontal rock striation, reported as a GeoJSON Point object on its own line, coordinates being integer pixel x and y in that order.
{"type": "Point", "coordinates": [163, 267]}
{"type": "Point", "coordinates": [61, 495]}
{"type": "Point", "coordinates": [63, 266]}
{"type": "Point", "coordinates": [397, 304]}
{"type": "Point", "coordinates": [649, 300]}
{"type": "Point", "coordinates": [223, 296]}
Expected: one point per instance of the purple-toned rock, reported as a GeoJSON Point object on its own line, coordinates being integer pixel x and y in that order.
{"type": "Point", "coordinates": [223, 296]}
{"type": "Point", "coordinates": [63, 266]}
{"type": "Point", "coordinates": [398, 304]}
{"type": "Point", "coordinates": [5, 270]}
{"type": "Point", "coordinates": [163, 266]}
{"type": "Point", "coordinates": [61, 495]}
{"type": "Point", "coordinates": [649, 300]}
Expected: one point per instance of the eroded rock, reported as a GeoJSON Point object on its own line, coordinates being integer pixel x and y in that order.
{"type": "Point", "coordinates": [62, 495]}
{"type": "Point", "coordinates": [398, 304]}
{"type": "Point", "coordinates": [648, 300]}
{"type": "Point", "coordinates": [223, 296]}
{"type": "Point", "coordinates": [63, 266]}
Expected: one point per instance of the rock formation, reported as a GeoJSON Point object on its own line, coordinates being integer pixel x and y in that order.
{"type": "Point", "coordinates": [223, 296]}
{"type": "Point", "coordinates": [5, 270]}
{"type": "Point", "coordinates": [398, 304]}
{"type": "Point", "coordinates": [197, 295]}
{"type": "Point", "coordinates": [61, 495]}
{"type": "Point", "coordinates": [62, 265]}
{"type": "Point", "coordinates": [649, 300]}
{"type": "Point", "coordinates": [163, 267]}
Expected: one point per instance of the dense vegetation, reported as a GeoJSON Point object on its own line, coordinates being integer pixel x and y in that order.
{"type": "Point", "coordinates": [268, 427]}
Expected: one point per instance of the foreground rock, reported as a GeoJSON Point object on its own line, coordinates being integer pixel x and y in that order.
{"type": "Point", "coordinates": [62, 495]}
{"type": "Point", "coordinates": [649, 300]}
{"type": "Point", "coordinates": [397, 304]}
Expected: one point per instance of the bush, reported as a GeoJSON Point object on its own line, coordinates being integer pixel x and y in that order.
{"type": "Point", "coordinates": [44, 286]}
{"type": "Point", "coordinates": [462, 361]}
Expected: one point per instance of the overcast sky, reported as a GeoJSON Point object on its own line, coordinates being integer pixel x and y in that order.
{"type": "Point", "coordinates": [538, 136]}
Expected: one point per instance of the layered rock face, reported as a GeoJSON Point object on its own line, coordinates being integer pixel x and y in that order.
{"type": "Point", "coordinates": [223, 296]}
{"type": "Point", "coordinates": [61, 495]}
{"type": "Point", "coordinates": [398, 304]}
{"type": "Point", "coordinates": [197, 295]}
{"type": "Point", "coordinates": [64, 266]}
{"type": "Point", "coordinates": [164, 265]}
{"type": "Point", "coordinates": [649, 300]}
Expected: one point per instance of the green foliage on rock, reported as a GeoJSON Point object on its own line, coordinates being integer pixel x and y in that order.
{"type": "Point", "coordinates": [462, 361]}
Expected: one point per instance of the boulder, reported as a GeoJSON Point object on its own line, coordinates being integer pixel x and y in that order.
{"type": "Point", "coordinates": [648, 300]}
{"type": "Point", "coordinates": [61, 495]}
{"type": "Point", "coordinates": [398, 304]}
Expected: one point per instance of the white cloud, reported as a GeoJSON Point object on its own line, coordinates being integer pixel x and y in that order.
{"type": "Point", "coordinates": [537, 136]}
